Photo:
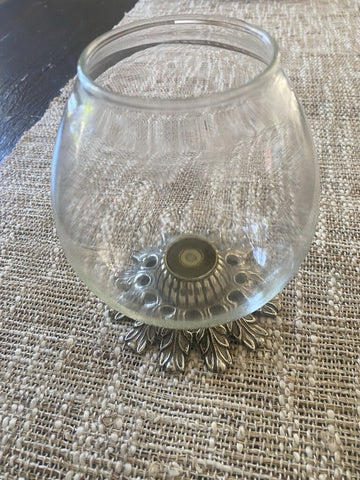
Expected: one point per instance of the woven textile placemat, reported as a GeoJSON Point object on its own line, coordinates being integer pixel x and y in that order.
{"type": "Point", "coordinates": [75, 403]}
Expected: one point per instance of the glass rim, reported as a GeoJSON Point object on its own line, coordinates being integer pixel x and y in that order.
{"type": "Point", "coordinates": [188, 103]}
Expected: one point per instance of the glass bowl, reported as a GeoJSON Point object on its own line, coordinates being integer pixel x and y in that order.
{"type": "Point", "coordinates": [185, 186]}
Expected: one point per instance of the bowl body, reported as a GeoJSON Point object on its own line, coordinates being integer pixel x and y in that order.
{"type": "Point", "coordinates": [185, 186]}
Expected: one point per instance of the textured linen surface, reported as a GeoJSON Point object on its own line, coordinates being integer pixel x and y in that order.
{"type": "Point", "coordinates": [75, 403]}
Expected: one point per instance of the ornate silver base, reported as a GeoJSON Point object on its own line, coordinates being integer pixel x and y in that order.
{"type": "Point", "coordinates": [188, 279]}
{"type": "Point", "coordinates": [213, 343]}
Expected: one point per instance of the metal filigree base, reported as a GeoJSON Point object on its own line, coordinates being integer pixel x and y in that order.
{"type": "Point", "coordinates": [213, 343]}
{"type": "Point", "coordinates": [189, 279]}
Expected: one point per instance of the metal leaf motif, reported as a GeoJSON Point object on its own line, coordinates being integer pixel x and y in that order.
{"type": "Point", "coordinates": [141, 336]}
{"type": "Point", "coordinates": [235, 330]}
{"type": "Point", "coordinates": [214, 343]}
{"type": "Point", "coordinates": [246, 330]}
{"type": "Point", "coordinates": [272, 308]}
{"type": "Point", "coordinates": [174, 348]}
{"type": "Point", "coordinates": [215, 348]}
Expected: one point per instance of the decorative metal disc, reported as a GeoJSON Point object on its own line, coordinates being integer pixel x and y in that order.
{"type": "Point", "coordinates": [189, 279]}
{"type": "Point", "coordinates": [213, 343]}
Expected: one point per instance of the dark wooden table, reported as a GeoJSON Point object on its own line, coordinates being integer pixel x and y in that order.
{"type": "Point", "coordinates": [40, 42]}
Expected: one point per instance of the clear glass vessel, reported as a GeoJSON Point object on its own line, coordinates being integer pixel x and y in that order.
{"type": "Point", "coordinates": [185, 187]}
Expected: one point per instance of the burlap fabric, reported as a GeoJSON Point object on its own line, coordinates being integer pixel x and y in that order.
{"type": "Point", "coordinates": [75, 403]}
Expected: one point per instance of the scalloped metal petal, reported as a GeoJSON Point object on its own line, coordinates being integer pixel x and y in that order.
{"type": "Point", "coordinates": [272, 308]}
{"type": "Point", "coordinates": [174, 349]}
{"type": "Point", "coordinates": [140, 337]}
{"type": "Point", "coordinates": [215, 347]}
